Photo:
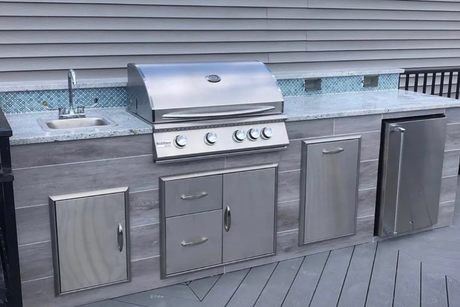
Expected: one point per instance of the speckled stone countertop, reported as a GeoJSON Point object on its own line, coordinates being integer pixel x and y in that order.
{"type": "Point", "coordinates": [363, 103]}
{"type": "Point", "coordinates": [27, 129]}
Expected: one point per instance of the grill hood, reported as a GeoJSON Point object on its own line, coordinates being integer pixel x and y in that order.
{"type": "Point", "coordinates": [162, 93]}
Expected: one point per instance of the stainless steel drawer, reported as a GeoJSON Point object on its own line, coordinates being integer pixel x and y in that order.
{"type": "Point", "coordinates": [193, 241]}
{"type": "Point", "coordinates": [198, 194]}
{"type": "Point", "coordinates": [329, 189]}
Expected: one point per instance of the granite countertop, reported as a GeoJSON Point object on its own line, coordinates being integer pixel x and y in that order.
{"type": "Point", "coordinates": [27, 129]}
{"type": "Point", "coordinates": [363, 103]}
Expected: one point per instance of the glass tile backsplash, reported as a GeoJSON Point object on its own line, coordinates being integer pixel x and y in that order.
{"type": "Point", "coordinates": [334, 85]}
{"type": "Point", "coordinates": [32, 101]}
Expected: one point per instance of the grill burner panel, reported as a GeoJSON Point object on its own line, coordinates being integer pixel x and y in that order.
{"type": "Point", "coordinates": [169, 143]}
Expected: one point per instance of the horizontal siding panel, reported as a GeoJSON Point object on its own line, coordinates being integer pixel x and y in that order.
{"type": "Point", "coordinates": [310, 24]}
{"type": "Point", "coordinates": [76, 23]}
{"type": "Point", "coordinates": [359, 14]}
{"type": "Point", "coordinates": [359, 64]}
{"type": "Point", "coordinates": [137, 11]}
{"type": "Point", "coordinates": [133, 36]}
{"type": "Point", "coordinates": [375, 55]}
{"type": "Point", "coordinates": [386, 5]}
{"type": "Point", "coordinates": [108, 62]}
{"type": "Point", "coordinates": [322, 35]}
{"type": "Point", "coordinates": [352, 45]}
{"type": "Point", "coordinates": [224, 3]}
{"type": "Point", "coordinates": [46, 37]}
{"type": "Point", "coordinates": [61, 75]}
{"type": "Point", "coordinates": [74, 50]}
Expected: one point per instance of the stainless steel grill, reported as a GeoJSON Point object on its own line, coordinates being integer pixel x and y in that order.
{"type": "Point", "coordinates": [203, 109]}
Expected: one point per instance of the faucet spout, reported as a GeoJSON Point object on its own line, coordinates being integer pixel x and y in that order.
{"type": "Point", "coordinates": [72, 80]}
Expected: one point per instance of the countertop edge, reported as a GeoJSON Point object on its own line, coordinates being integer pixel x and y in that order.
{"type": "Point", "coordinates": [77, 137]}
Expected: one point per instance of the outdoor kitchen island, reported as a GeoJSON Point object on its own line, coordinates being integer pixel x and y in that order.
{"type": "Point", "coordinates": [82, 163]}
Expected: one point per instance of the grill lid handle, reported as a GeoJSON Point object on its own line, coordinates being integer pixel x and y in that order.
{"type": "Point", "coordinates": [217, 114]}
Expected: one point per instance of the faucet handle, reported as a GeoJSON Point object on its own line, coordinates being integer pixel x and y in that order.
{"type": "Point", "coordinates": [47, 107]}
{"type": "Point", "coordinates": [95, 104]}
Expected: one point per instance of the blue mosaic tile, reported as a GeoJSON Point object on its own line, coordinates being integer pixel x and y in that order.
{"type": "Point", "coordinates": [334, 85]}
{"type": "Point", "coordinates": [32, 101]}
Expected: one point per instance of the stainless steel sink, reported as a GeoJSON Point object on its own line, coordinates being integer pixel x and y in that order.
{"type": "Point", "coordinates": [75, 123]}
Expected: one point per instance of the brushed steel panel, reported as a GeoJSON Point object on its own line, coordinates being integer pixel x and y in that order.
{"type": "Point", "coordinates": [415, 203]}
{"type": "Point", "coordinates": [185, 196]}
{"type": "Point", "coordinates": [251, 197]}
{"type": "Point", "coordinates": [329, 190]}
{"type": "Point", "coordinates": [87, 241]}
{"type": "Point", "coordinates": [181, 230]}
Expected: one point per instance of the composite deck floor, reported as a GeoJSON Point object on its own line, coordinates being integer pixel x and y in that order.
{"type": "Point", "coordinates": [417, 270]}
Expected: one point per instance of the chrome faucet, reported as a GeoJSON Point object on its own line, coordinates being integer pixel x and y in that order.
{"type": "Point", "coordinates": [71, 81]}
{"type": "Point", "coordinates": [71, 112]}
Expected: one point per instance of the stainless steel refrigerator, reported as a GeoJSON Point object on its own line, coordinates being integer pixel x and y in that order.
{"type": "Point", "coordinates": [410, 172]}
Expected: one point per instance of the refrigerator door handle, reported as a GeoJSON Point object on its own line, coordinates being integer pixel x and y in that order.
{"type": "Point", "coordinates": [401, 130]}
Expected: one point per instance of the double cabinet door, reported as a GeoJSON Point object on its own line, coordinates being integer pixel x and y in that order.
{"type": "Point", "coordinates": [216, 218]}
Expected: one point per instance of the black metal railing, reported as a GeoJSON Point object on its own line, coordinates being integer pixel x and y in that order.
{"type": "Point", "coordinates": [10, 293]}
{"type": "Point", "coordinates": [437, 81]}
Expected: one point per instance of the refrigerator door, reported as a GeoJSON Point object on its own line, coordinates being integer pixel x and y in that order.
{"type": "Point", "coordinates": [411, 172]}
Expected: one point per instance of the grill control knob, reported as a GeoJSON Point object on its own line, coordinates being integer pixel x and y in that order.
{"type": "Point", "coordinates": [239, 135]}
{"type": "Point", "coordinates": [180, 141]}
{"type": "Point", "coordinates": [211, 138]}
{"type": "Point", "coordinates": [267, 133]}
{"type": "Point", "coordinates": [253, 134]}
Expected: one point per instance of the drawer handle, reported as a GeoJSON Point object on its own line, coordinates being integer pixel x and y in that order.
{"type": "Point", "coordinates": [120, 237]}
{"type": "Point", "coordinates": [330, 152]}
{"type": "Point", "coordinates": [227, 219]}
{"type": "Point", "coordinates": [194, 196]}
{"type": "Point", "coordinates": [192, 243]}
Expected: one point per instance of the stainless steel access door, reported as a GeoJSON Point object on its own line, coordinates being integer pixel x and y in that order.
{"type": "Point", "coordinates": [329, 188]}
{"type": "Point", "coordinates": [90, 238]}
{"type": "Point", "coordinates": [249, 214]}
{"type": "Point", "coordinates": [411, 172]}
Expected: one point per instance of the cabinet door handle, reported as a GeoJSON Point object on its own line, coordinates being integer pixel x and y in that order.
{"type": "Point", "coordinates": [192, 243]}
{"type": "Point", "coordinates": [227, 219]}
{"type": "Point", "coordinates": [401, 130]}
{"type": "Point", "coordinates": [194, 196]}
{"type": "Point", "coordinates": [120, 239]}
{"type": "Point", "coordinates": [330, 152]}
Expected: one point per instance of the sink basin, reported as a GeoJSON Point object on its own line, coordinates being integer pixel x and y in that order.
{"type": "Point", "coordinates": [74, 123]}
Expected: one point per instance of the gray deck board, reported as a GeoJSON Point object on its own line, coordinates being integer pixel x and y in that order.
{"type": "Point", "coordinates": [453, 291]}
{"type": "Point", "coordinates": [434, 292]}
{"type": "Point", "coordinates": [252, 286]}
{"type": "Point", "coordinates": [306, 281]}
{"type": "Point", "coordinates": [201, 287]}
{"type": "Point", "coordinates": [354, 290]}
{"type": "Point", "coordinates": [381, 288]}
{"type": "Point", "coordinates": [224, 289]}
{"type": "Point", "coordinates": [407, 288]}
{"type": "Point", "coordinates": [330, 285]}
{"type": "Point", "coordinates": [279, 284]}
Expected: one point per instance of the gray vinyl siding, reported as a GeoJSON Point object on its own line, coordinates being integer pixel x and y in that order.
{"type": "Point", "coordinates": [39, 40]}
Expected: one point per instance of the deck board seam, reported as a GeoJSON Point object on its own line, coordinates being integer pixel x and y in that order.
{"type": "Point", "coordinates": [395, 280]}
{"type": "Point", "coordinates": [266, 283]}
{"type": "Point", "coordinates": [319, 279]}
{"type": "Point", "coordinates": [372, 273]}
{"type": "Point", "coordinates": [290, 286]}
{"type": "Point", "coordinates": [345, 277]}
